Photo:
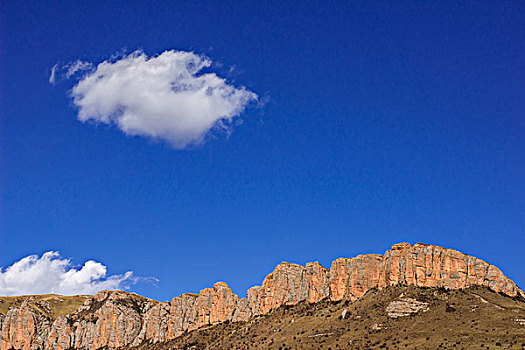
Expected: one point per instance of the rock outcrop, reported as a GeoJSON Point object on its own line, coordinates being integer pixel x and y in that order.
{"type": "Point", "coordinates": [405, 307]}
{"type": "Point", "coordinates": [289, 284]}
{"type": "Point", "coordinates": [23, 327]}
{"type": "Point", "coordinates": [426, 265]}
{"type": "Point", "coordinates": [117, 319]}
{"type": "Point", "coordinates": [351, 278]}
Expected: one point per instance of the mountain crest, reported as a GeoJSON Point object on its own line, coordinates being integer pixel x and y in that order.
{"type": "Point", "coordinates": [117, 319]}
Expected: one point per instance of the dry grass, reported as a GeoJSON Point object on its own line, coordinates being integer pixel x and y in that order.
{"type": "Point", "coordinates": [50, 305]}
{"type": "Point", "coordinates": [475, 318]}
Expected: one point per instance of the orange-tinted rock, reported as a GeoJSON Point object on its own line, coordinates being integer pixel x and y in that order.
{"type": "Point", "coordinates": [155, 326]}
{"type": "Point", "coordinates": [243, 311]}
{"type": "Point", "coordinates": [183, 314]}
{"type": "Point", "coordinates": [425, 265]}
{"type": "Point", "coordinates": [60, 336]}
{"type": "Point", "coordinates": [420, 265]}
{"type": "Point", "coordinates": [211, 305]}
{"type": "Point", "coordinates": [117, 319]}
{"type": "Point", "coordinates": [22, 328]}
{"type": "Point", "coordinates": [351, 278]}
{"type": "Point", "coordinates": [254, 297]}
{"type": "Point", "coordinates": [289, 284]}
{"type": "Point", "coordinates": [216, 304]}
{"type": "Point", "coordinates": [401, 246]}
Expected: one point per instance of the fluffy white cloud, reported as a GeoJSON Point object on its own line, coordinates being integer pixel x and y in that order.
{"type": "Point", "coordinates": [164, 97]}
{"type": "Point", "coordinates": [52, 273]}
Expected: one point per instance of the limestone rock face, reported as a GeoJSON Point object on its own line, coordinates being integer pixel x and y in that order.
{"type": "Point", "coordinates": [117, 319]}
{"type": "Point", "coordinates": [405, 307]}
{"type": "Point", "coordinates": [210, 306]}
{"type": "Point", "coordinates": [289, 284]}
{"type": "Point", "coordinates": [60, 336]}
{"type": "Point", "coordinates": [118, 322]}
{"type": "Point", "coordinates": [216, 304]}
{"type": "Point", "coordinates": [351, 278]}
{"type": "Point", "coordinates": [420, 265]}
{"type": "Point", "coordinates": [254, 297]}
{"type": "Point", "coordinates": [155, 326]}
{"type": "Point", "coordinates": [183, 314]}
{"type": "Point", "coordinates": [23, 327]}
{"type": "Point", "coordinates": [426, 265]}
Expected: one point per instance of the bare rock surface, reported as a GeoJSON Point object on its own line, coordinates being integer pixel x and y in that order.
{"type": "Point", "coordinates": [289, 284]}
{"type": "Point", "coordinates": [405, 307]}
{"type": "Point", "coordinates": [117, 319]}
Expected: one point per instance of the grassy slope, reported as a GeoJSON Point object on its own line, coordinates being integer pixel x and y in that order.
{"type": "Point", "coordinates": [51, 305]}
{"type": "Point", "coordinates": [475, 318]}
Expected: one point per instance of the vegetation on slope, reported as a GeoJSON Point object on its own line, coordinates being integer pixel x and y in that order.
{"type": "Point", "coordinates": [49, 305]}
{"type": "Point", "coordinates": [475, 318]}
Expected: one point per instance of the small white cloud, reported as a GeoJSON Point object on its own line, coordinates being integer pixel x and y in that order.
{"type": "Point", "coordinates": [75, 67]}
{"type": "Point", "coordinates": [66, 71]}
{"type": "Point", "coordinates": [52, 77]}
{"type": "Point", "coordinates": [51, 273]}
{"type": "Point", "coordinates": [163, 97]}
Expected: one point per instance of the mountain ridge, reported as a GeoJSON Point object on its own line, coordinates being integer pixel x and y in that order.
{"type": "Point", "coordinates": [114, 319]}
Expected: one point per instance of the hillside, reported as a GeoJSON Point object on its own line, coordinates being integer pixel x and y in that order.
{"type": "Point", "coordinates": [117, 319]}
{"type": "Point", "coordinates": [473, 318]}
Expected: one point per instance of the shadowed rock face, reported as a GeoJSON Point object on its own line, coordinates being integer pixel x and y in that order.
{"type": "Point", "coordinates": [116, 319]}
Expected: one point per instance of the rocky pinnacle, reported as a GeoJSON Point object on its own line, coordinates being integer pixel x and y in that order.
{"type": "Point", "coordinates": [117, 319]}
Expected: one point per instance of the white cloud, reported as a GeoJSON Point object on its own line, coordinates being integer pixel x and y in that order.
{"type": "Point", "coordinates": [52, 273]}
{"type": "Point", "coordinates": [52, 77]}
{"type": "Point", "coordinates": [66, 71]}
{"type": "Point", "coordinates": [75, 67]}
{"type": "Point", "coordinates": [164, 97]}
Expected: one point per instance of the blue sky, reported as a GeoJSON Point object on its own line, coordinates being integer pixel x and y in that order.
{"type": "Point", "coordinates": [380, 122]}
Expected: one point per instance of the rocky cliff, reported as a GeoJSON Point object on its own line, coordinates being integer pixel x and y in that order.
{"type": "Point", "coordinates": [117, 319]}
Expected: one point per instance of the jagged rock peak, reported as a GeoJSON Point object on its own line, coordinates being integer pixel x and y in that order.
{"type": "Point", "coordinates": [113, 319]}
